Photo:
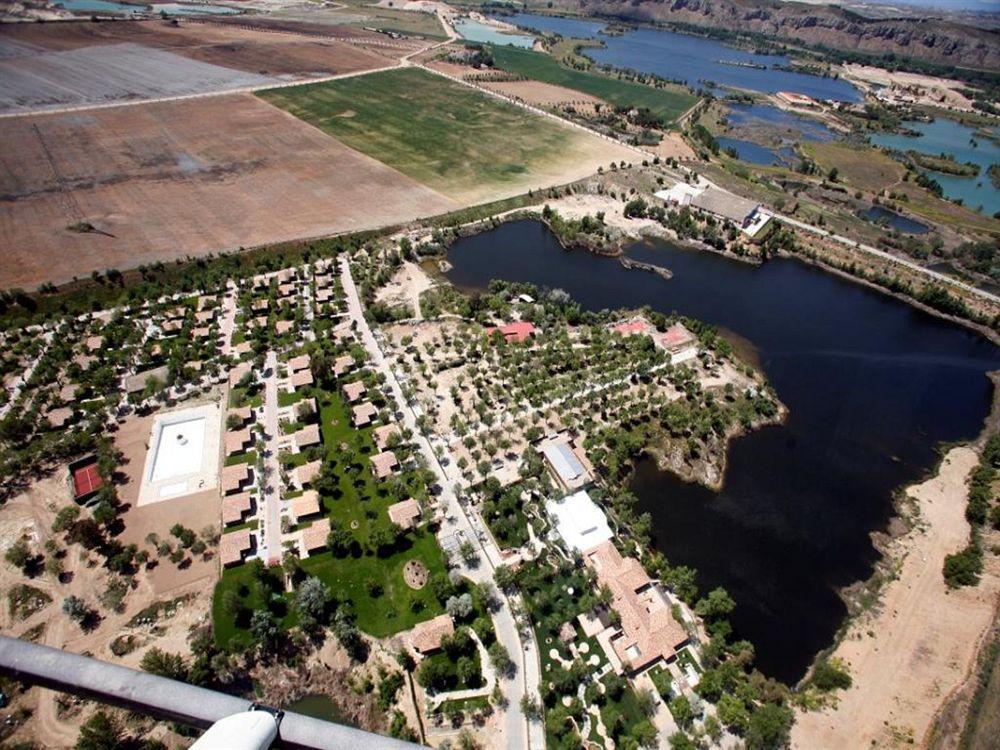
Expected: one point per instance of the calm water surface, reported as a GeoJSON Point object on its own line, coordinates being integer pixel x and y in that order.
{"type": "Point", "coordinates": [690, 58]}
{"type": "Point", "coordinates": [945, 136]}
{"type": "Point", "coordinates": [475, 31]}
{"type": "Point", "coordinates": [872, 385]}
{"type": "Point", "coordinates": [880, 215]}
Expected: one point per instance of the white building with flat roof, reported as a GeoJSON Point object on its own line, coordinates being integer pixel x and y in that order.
{"type": "Point", "coordinates": [579, 521]}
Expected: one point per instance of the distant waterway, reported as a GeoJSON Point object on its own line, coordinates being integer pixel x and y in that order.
{"type": "Point", "coordinates": [944, 136]}
{"type": "Point", "coordinates": [754, 153]}
{"type": "Point", "coordinates": [690, 58]}
{"type": "Point", "coordinates": [475, 31]}
{"type": "Point", "coordinates": [872, 384]}
{"type": "Point", "coordinates": [880, 215]}
{"type": "Point", "coordinates": [170, 9]}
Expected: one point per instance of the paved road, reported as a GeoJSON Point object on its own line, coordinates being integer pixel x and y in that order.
{"type": "Point", "coordinates": [271, 551]}
{"type": "Point", "coordinates": [516, 728]}
{"type": "Point", "coordinates": [228, 321]}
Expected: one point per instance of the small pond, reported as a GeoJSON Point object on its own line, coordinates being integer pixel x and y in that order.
{"type": "Point", "coordinates": [883, 216]}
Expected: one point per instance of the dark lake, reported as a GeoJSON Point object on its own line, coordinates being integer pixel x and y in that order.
{"type": "Point", "coordinates": [873, 385]}
{"type": "Point", "coordinates": [880, 215]}
{"type": "Point", "coordinates": [690, 58]}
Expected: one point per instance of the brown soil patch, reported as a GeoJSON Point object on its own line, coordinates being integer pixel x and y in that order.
{"type": "Point", "coordinates": [674, 146]}
{"type": "Point", "coordinates": [918, 647]}
{"type": "Point", "coordinates": [543, 94]}
{"type": "Point", "coordinates": [415, 574]}
{"type": "Point", "coordinates": [247, 49]}
{"type": "Point", "coordinates": [196, 512]}
{"type": "Point", "coordinates": [177, 179]}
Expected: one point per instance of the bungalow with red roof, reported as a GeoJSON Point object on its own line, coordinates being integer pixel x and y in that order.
{"type": "Point", "coordinates": [236, 507]}
{"type": "Point", "coordinates": [384, 463]}
{"type": "Point", "coordinates": [315, 535]}
{"type": "Point", "coordinates": [363, 414]}
{"type": "Point", "coordinates": [354, 390]}
{"type": "Point", "coordinates": [308, 435]}
{"type": "Point", "coordinates": [383, 434]}
{"type": "Point", "coordinates": [305, 505]}
{"type": "Point", "coordinates": [300, 362]}
{"type": "Point", "coordinates": [301, 379]}
{"type": "Point", "coordinates": [235, 478]}
{"type": "Point", "coordinates": [238, 441]}
{"type": "Point", "coordinates": [426, 637]}
{"type": "Point", "coordinates": [234, 547]}
{"type": "Point", "coordinates": [307, 473]}
{"type": "Point", "coordinates": [282, 327]}
{"type": "Point", "coordinates": [405, 514]}
{"type": "Point", "coordinates": [514, 333]}
{"type": "Point", "coordinates": [343, 365]}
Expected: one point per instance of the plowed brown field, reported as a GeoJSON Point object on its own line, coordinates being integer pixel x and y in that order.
{"type": "Point", "coordinates": [176, 179]}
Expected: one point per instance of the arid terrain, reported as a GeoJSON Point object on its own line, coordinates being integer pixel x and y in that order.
{"type": "Point", "coordinates": [53, 66]}
{"type": "Point", "coordinates": [919, 644]}
{"type": "Point", "coordinates": [177, 179]}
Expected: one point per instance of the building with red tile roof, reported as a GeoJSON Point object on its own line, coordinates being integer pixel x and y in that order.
{"type": "Point", "coordinates": [384, 463]}
{"type": "Point", "coordinates": [305, 505]}
{"type": "Point", "coordinates": [314, 536]}
{"type": "Point", "coordinates": [514, 333]}
{"type": "Point", "coordinates": [648, 632]}
{"type": "Point", "coordinates": [234, 546]}
{"type": "Point", "coordinates": [235, 508]}
{"type": "Point", "coordinates": [426, 637]}
{"type": "Point", "coordinates": [405, 514]}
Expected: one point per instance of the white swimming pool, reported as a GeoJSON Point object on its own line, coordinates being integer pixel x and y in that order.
{"type": "Point", "coordinates": [179, 449]}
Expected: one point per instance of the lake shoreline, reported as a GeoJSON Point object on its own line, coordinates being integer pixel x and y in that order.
{"type": "Point", "coordinates": [905, 614]}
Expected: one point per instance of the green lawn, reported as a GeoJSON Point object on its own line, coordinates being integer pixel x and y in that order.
{"type": "Point", "coordinates": [255, 595]}
{"type": "Point", "coordinates": [357, 502]}
{"type": "Point", "coordinates": [667, 103]}
{"type": "Point", "coordinates": [392, 611]}
{"type": "Point", "coordinates": [450, 137]}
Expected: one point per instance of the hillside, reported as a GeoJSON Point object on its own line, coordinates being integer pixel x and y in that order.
{"type": "Point", "coordinates": [933, 40]}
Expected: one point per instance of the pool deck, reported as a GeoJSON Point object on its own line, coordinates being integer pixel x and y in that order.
{"type": "Point", "coordinates": [166, 463]}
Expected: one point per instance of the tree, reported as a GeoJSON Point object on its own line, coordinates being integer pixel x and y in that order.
{"type": "Point", "coordinates": [716, 605]}
{"type": "Point", "coordinates": [733, 713]}
{"type": "Point", "coordinates": [100, 732]}
{"type": "Point", "coordinates": [19, 554]}
{"type": "Point", "coordinates": [500, 658]}
{"type": "Point", "coordinates": [769, 727]}
{"type": "Point", "coordinates": [163, 663]}
{"type": "Point", "coordinates": [681, 709]}
{"type": "Point", "coordinates": [459, 607]}
{"type": "Point", "coordinates": [530, 706]}
{"type": "Point", "coordinates": [504, 577]}
{"type": "Point", "coordinates": [75, 608]}
{"type": "Point", "coordinates": [264, 628]}
{"type": "Point", "coordinates": [312, 599]}
{"type": "Point", "coordinates": [65, 518]}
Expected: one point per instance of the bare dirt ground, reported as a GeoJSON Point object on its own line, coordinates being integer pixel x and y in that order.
{"type": "Point", "coordinates": [33, 511]}
{"type": "Point", "coordinates": [406, 287]}
{"type": "Point", "coordinates": [196, 512]}
{"type": "Point", "coordinates": [177, 179]}
{"type": "Point", "coordinates": [242, 47]}
{"type": "Point", "coordinates": [907, 657]}
{"type": "Point", "coordinates": [674, 146]}
{"type": "Point", "coordinates": [912, 87]}
{"type": "Point", "coordinates": [543, 94]}
{"type": "Point", "coordinates": [56, 66]}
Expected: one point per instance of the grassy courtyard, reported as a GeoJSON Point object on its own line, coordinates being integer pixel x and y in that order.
{"type": "Point", "coordinates": [667, 103]}
{"type": "Point", "coordinates": [463, 143]}
{"type": "Point", "coordinates": [366, 572]}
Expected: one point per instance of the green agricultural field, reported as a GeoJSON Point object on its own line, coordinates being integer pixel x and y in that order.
{"type": "Point", "coordinates": [458, 141]}
{"type": "Point", "coordinates": [667, 103]}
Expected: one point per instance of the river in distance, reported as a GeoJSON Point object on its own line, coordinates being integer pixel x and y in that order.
{"type": "Point", "coordinates": [873, 385]}
{"type": "Point", "coordinates": [692, 59]}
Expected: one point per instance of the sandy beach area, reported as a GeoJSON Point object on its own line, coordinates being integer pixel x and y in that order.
{"type": "Point", "coordinates": [914, 649]}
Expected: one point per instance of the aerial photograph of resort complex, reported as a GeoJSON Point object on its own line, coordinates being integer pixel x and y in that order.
{"type": "Point", "coordinates": [500, 374]}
